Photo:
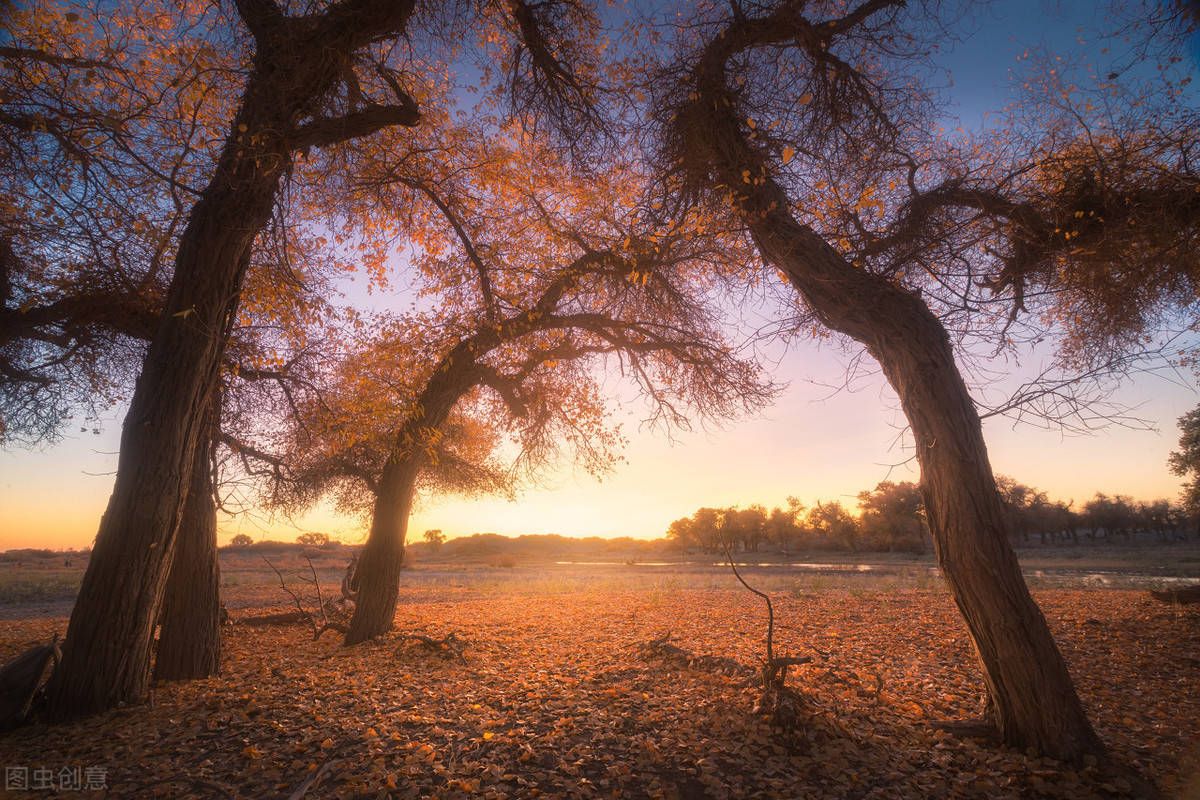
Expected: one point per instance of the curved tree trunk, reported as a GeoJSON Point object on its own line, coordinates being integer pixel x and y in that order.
{"type": "Point", "coordinates": [1035, 701]}
{"type": "Point", "coordinates": [377, 579]}
{"type": "Point", "coordinates": [189, 639]}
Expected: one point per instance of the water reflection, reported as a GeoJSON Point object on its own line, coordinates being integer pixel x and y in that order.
{"type": "Point", "coordinates": [1065, 577]}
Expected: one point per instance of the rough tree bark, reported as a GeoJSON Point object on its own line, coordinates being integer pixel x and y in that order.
{"type": "Point", "coordinates": [1035, 701]}
{"type": "Point", "coordinates": [106, 656]}
{"type": "Point", "coordinates": [189, 639]}
{"type": "Point", "coordinates": [377, 579]}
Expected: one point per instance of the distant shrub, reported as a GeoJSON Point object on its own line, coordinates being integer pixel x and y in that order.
{"type": "Point", "coordinates": [505, 562]}
{"type": "Point", "coordinates": [271, 546]}
{"type": "Point", "coordinates": [30, 554]}
{"type": "Point", "coordinates": [241, 540]}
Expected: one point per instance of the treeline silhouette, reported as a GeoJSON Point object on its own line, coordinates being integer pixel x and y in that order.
{"type": "Point", "coordinates": [891, 518]}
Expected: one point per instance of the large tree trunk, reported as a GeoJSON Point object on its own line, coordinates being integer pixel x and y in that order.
{"type": "Point", "coordinates": [189, 639]}
{"type": "Point", "coordinates": [106, 656]}
{"type": "Point", "coordinates": [377, 579]}
{"type": "Point", "coordinates": [1035, 701]}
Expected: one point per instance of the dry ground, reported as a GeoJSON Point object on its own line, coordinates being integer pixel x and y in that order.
{"type": "Point", "coordinates": [556, 700]}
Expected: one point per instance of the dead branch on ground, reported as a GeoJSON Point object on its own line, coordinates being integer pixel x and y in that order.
{"type": "Point", "coordinates": [1185, 596]}
{"type": "Point", "coordinates": [302, 613]}
{"type": "Point", "coordinates": [449, 648]}
{"type": "Point", "coordinates": [662, 648]}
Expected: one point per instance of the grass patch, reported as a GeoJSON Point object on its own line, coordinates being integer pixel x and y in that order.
{"type": "Point", "coordinates": [37, 587]}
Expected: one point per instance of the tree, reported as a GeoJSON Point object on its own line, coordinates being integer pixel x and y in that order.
{"type": "Point", "coordinates": [241, 540]}
{"type": "Point", "coordinates": [532, 365]}
{"type": "Point", "coordinates": [285, 106]}
{"type": "Point", "coordinates": [706, 529]}
{"type": "Point", "coordinates": [892, 517]}
{"type": "Point", "coordinates": [832, 523]}
{"type": "Point", "coordinates": [1185, 462]}
{"type": "Point", "coordinates": [749, 525]}
{"type": "Point", "coordinates": [435, 539]}
{"type": "Point", "coordinates": [781, 525]}
{"type": "Point", "coordinates": [806, 124]}
{"type": "Point", "coordinates": [540, 278]}
{"type": "Point", "coordinates": [307, 82]}
{"type": "Point", "coordinates": [313, 539]}
{"type": "Point", "coordinates": [125, 130]}
{"type": "Point", "coordinates": [1023, 505]}
{"type": "Point", "coordinates": [1113, 515]}
{"type": "Point", "coordinates": [189, 641]}
{"type": "Point", "coordinates": [680, 533]}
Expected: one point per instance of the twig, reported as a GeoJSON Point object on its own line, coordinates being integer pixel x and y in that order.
{"type": "Point", "coordinates": [286, 588]}
{"type": "Point", "coordinates": [312, 780]}
{"type": "Point", "coordinates": [317, 583]}
{"type": "Point", "coordinates": [305, 615]}
{"type": "Point", "coordinates": [770, 609]}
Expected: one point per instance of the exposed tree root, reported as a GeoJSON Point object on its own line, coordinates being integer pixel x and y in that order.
{"type": "Point", "coordinates": [981, 728]}
{"type": "Point", "coordinates": [20, 679]}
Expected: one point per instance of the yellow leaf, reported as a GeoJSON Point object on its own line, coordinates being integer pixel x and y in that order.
{"type": "Point", "coordinates": [788, 152]}
{"type": "Point", "coordinates": [804, 99]}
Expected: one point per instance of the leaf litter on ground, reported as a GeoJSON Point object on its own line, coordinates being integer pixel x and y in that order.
{"type": "Point", "coordinates": [556, 697]}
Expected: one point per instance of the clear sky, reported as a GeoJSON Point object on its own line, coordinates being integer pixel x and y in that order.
{"type": "Point", "coordinates": [813, 443]}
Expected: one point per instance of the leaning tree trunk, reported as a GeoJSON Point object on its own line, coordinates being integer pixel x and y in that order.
{"type": "Point", "coordinates": [106, 656]}
{"type": "Point", "coordinates": [377, 579]}
{"type": "Point", "coordinates": [189, 639]}
{"type": "Point", "coordinates": [298, 60]}
{"type": "Point", "coordinates": [1035, 701]}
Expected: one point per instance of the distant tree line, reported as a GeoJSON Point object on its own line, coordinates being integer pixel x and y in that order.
{"type": "Point", "coordinates": [1034, 516]}
{"type": "Point", "coordinates": [891, 518]}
